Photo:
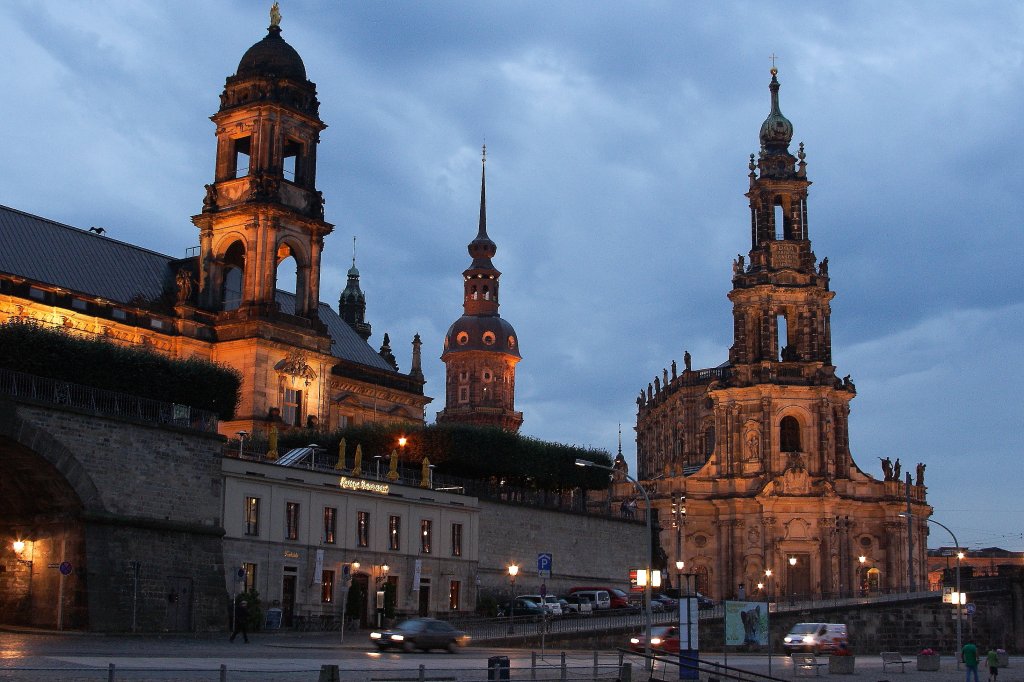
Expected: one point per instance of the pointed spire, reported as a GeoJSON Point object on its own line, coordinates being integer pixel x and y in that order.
{"type": "Point", "coordinates": [482, 249]}
{"type": "Point", "coordinates": [416, 371]}
{"type": "Point", "coordinates": [776, 131]}
{"type": "Point", "coordinates": [620, 439]}
{"type": "Point", "coordinates": [385, 352]}
{"type": "Point", "coordinates": [352, 303]}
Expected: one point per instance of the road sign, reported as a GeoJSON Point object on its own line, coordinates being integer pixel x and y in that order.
{"type": "Point", "coordinates": [66, 568]}
{"type": "Point", "coordinates": [970, 609]}
{"type": "Point", "coordinates": [544, 565]}
{"type": "Point", "coordinates": [543, 590]}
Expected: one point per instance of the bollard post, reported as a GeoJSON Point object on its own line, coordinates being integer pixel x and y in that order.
{"type": "Point", "coordinates": [223, 672]}
{"type": "Point", "coordinates": [565, 670]}
{"type": "Point", "coordinates": [533, 665]}
{"type": "Point", "coordinates": [595, 665]}
{"type": "Point", "coordinates": [110, 672]}
{"type": "Point", "coordinates": [423, 672]}
{"type": "Point", "coordinates": [329, 673]}
{"type": "Point", "coordinates": [625, 672]}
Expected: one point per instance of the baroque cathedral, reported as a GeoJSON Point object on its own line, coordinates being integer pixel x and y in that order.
{"type": "Point", "coordinates": [303, 363]}
{"type": "Point", "coordinates": [749, 462]}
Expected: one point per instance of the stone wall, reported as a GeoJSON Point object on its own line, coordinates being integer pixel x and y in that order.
{"type": "Point", "coordinates": [145, 494]}
{"type": "Point", "coordinates": [586, 549]}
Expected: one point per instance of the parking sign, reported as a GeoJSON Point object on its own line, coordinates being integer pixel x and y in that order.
{"type": "Point", "coordinates": [544, 565]}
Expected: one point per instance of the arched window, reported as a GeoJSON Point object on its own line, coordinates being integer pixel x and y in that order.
{"type": "Point", "coordinates": [789, 435]}
{"type": "Point", "coordinates": [702, 580]}
{"type": "Point", "coordinates": [709, 440]}
{"type": "Point", "coordinates": [234, 268]}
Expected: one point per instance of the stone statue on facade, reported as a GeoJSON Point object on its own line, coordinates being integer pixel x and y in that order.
{"type": "Point", "coordinates": [184, 281]}
{"type": "Point", "coordinates": [686, 360]}
{"type": "Point", "coordinates": [886, 468]}
{"type": "Point", "coordinates": [920, 474]}
{"type": "Point", "coordinates": [896, 470]}
{"type": "Point", "coordinates": [823, 267]}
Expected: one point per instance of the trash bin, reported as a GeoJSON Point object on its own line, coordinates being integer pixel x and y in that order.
{"type": "Point", "coordinates": [497, 668]}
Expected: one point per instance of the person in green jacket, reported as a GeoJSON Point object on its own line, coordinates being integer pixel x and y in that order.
{"type": "Point", "coordinates": [993, 664]}
{"type": "Point", "coordinates": [970, 656]}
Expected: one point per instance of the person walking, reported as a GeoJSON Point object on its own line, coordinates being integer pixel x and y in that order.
{"type": "Point", "coordinates": [993, 664]}
{"type": "Point", "coordinates": [242, 624]}
{"type": "Point", "coordinates": [970, 656]}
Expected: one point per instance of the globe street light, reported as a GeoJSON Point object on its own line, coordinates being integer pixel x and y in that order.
{"type": "Point", "coordinates": [650, 550]}
{"type": "Point", "coordinates": [513, 571]}
{"type": "Point", "coordinates": [861, 578]}
{"type": "Point", "coordinates": [768, 613]}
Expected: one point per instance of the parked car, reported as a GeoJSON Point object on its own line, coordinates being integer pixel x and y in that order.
{"type": "Point", "coordinates": [664, 640]}
{"type": "Point", "coordinates": [577, 605]}
{"type": "Point", "coordinates": [522, 609]}
{"type": "Point", "coordinates": [420, 633]}
{"type": "Point", "coordinates": [617, 598]}
{"type": "Point", "coordinates": [548, 602]}
{"type": "Point", "coordinates": [668, 602]}
{"type": "Point", "coordinates": [599, 599]}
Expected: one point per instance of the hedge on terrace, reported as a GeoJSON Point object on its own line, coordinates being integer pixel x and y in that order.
{"type": "Point", "coordinates": [54, 353]}
{"type": "Point", "coordinates": [467, 451]}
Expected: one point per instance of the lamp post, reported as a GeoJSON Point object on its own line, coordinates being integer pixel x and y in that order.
{"type": "Point", "coordinates": [513, 571]}
{"type": "Point", "coordinates": [861, 578]}
{"type": "Point", "coordinates": [792, 578]}
{"type": "Point", "coordinates": [242, 435]}
{"type": "Point", "coordinates": [19, 547]}
{"type": "Point", "coordinates": [768, 613]}
{"type": "Point", "coordinates": [650, 550]}
{"type": "Point", "coordinates": [377, 459]}
{"type": "Point", "coordinates": [959, 595]}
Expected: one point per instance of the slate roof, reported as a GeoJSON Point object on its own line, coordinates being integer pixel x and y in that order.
{"type": "Point", "coordinates": [86, 263]}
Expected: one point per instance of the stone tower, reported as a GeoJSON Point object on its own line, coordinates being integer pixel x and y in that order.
{"type": "Point", "coordinates": [263, 205]}
{"type": "Point", "coordinates": [481, 349]}
{"type": "Point", "coordinates": [352, 302]}
{"type": "Point", "coordinates": [759, 445]}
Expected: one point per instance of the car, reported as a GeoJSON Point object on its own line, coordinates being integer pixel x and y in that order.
{"type": "Point", "coordinates": [816, 638]}
{"type": "Point", "coordinates": [668, 602]}
{"type": "Point", "coordinates": [617, 599]}
{"type": "Point", "coordinates": [548, 602]}
{"type": "Point", "coordinates": [523, 609]}
{"type": "Point", "coordinates": [664, 640]}
{"type": "Point", "coordinates": [420, 633]}
{"type": "Point", "coordinates": [578, 605]}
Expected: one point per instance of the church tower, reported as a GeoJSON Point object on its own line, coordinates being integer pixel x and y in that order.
{"type": "Point", "coordinates": [263, 205]}
{"type": "Point", "coordinates": [758, 446]}
{"type": "Point", "coordinates": [352, 303]}
{"type": "Point", "coordinates": [481, 349]}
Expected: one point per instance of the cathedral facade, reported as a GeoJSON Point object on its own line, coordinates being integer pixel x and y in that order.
{"type": "Point", "coordinates": [749, 462]}
{"type": "Point", "coordinates": [303, 363]}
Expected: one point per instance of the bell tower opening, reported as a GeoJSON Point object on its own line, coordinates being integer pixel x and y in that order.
{"type": "Point", "coordinates": [234, 275]}
{"type": "Point", "coordinates": [780, 221]}
{"type": "Point", "coordinates": [286, 276]}
{"type": "Point", "coordinates": [782, 337]}
{"type": "Point", "coordinates": [789, 435]}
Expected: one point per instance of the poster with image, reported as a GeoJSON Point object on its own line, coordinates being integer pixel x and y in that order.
{"type": "Point", "coordinates": [746, 623]}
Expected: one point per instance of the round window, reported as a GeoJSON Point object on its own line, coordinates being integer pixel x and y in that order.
{"type": "Point", "coordinates": [511, 342]}
{"type": "Point", "coordinates": [489, 338]}
{"type": "Point", "coordinates": [462, 339]}
{"type": "Point", "coordinates": [487, 375]}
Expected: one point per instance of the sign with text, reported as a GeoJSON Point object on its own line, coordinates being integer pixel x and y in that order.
{"type": "Point", "coordinates": [360, 485]}
{"type": "Point", "coordinates": [746, 623]}
{"type": "Point", "coordinates": [544, 561]}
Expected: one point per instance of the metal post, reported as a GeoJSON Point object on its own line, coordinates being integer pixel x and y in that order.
{"type": "Point", "coordinates": [959, 594]}
{"type": "Point", "coordinates": [910, 541]}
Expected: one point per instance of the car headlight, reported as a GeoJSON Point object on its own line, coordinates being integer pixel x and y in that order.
{"type": "Point", "coordinates": [634, 640]}
{"type": "Point", "coordinates": [375, 635]}
{"type": "Point", "coordinates": [808, 639]}
{"type": "Point", "coordinates": [655, 640]}
{"type": "Point", "coordinates": [397, 638]}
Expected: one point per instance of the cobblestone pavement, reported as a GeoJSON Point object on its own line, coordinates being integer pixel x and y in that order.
{"type": "Point", "coordinates": [291, 657]}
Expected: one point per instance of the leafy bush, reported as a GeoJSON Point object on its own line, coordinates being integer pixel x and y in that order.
{"type": "Point", "coordinates": [100, 363]}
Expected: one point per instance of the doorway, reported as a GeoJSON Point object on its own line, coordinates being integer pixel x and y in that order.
{"type": "Point", "coordinates": [424, 605]}
{"type": "Point", "coordinates": [288, 600]}
{"type": "Point", "coordinates": [178, 617]}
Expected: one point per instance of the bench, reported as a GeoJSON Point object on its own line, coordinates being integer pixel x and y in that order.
{"type": "Point", "coordinates": [894, 658]}
{"type": "Point", "coordinates": [806, 665]}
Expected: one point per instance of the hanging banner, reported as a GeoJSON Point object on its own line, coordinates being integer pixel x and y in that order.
{"type": "Point", "coordinates": [746, 623]}
{"type": "Point", "coordinates": [318, 569]}
{"type": "Point", "coordinates": [689, 647]}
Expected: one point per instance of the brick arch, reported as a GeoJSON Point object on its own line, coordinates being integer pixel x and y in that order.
{"type": "Point", "coordinates": [23, 444]}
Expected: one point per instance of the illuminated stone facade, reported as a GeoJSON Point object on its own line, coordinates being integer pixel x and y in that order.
{"type": "Point", "coordinates": [752, 457]}
{"type": "Point", "coordinates": [302, 363]}
{"type": "Point", "coordinates": [481, 350]}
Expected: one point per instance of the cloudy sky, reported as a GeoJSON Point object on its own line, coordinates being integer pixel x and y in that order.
{"type": "Point", "coordinates": [618, 136]}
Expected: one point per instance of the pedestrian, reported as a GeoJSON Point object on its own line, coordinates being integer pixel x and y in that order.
{"type": "Point", "coordinates": [993, 664]}
{"type": "Point", "coordinates": [242, 622]}
{"type": "Point", "coordinates": [970, 656]}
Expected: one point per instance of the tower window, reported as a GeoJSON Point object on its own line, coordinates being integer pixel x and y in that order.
{"type": "Point", "coordinates": [780, 222]}
{"type": "Point", "coordinates": [789, 435]}
{"type": "Point", "coordinates": [463, 394]}
{"type": "Point", "coordinates": [486, 375]}
{"type": "Point", "coordinates": [489, 338]}
{"type": "Point", "coordinates": [462, 339]}
{"type": "Point", "coordinates": [240, 157]}
{"type": "Point", "coordinates": [782, 340]}
{"type": "Point", "coordinates": [291, 161]}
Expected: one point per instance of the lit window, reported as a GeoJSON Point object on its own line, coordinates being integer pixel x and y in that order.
{"type": "Point", "coordinates": [292, 412]}
{"type": "Point", "coordinates": [395, 532]}
{"type": "Point", "coordinates": [456, 539]}
{"type": "Point", "coordinates": [363, 529]}
{"type": "Point", "coordinates": [327, 587]}
{"type": "Point", "coordinates": [454, 590]}
{"type": "Point", "coordinates": [291, 519]}
{"type": "Point", "coordinates": [250, 576]}
{"type": "Point", "coordinates": [425, 535]}
{"type": "Point", "coordinates": [330, 525]}
{"type": "Point", "coordinates": [252, 516]}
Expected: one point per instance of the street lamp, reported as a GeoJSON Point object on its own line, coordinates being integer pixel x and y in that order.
{"type": "Point", "coordinates": [959, 595]}
{"type": "Point", "coordinates": [513, 571]}
{"type": "Point", "coordinates": [650, 549]}
{"type": "Point", "coordinates": [768, 613]}
{"type": "Point", "coordinates": [242, 435]}
{"type": "Point", "coordinates": [861, 578]}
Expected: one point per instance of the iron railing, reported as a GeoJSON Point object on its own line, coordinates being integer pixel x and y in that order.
{"type": "Point", "coordinates": [57, 392]}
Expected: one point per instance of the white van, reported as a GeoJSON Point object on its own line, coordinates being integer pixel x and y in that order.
{"type": "Point", "coordinates": [816, 637]}
{"type": "Point", "coordinates": [548, 602]}
{"type": "Point", "coordinates": [600, 599]}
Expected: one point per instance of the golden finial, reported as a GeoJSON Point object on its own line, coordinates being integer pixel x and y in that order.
{"type": "Point", "coordinates": [774, 71]}
{"type": "Point", "coordinates": [275, 15]}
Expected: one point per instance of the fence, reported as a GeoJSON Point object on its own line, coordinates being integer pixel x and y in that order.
{"type": "Point", "coordinates": [56, 392]}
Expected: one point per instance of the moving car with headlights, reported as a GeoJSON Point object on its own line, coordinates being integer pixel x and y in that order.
{"type": "Point", "coordinates": [664, 640]}
{"type": "Point", "coordinates": [420, 633]}
{"type": "Point", "coordinates": [816, 637]}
